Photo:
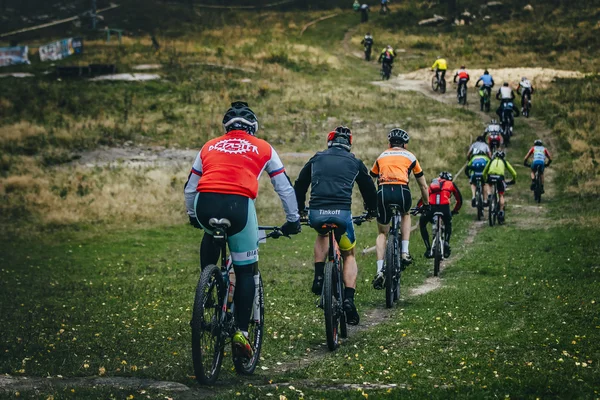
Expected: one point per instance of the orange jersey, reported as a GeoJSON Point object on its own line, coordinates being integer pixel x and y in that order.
{"type": "Point", "coordinates": [393, 167]}
{"type": "Point", "coordinates": [233, 163]}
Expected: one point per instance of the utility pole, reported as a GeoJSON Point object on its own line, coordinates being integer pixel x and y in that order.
{"type": "Point", "coordinates": [94, 14]}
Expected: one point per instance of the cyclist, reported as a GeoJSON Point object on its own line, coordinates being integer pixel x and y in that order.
{"type": "Point", "coordinates": [387, 56]}
{"type": "Point", "coordinates": [223, 183]}
{"type": "Point", "coordinates": [494, 131]}
{"type": "Point", "coordinates": [463, 78]}
{"type": "Point", "coordinates": [364, 12]}
{"type": "Point", "coordinates": [392, 170]}
{"type": "Point", "coordinates": [368, 43]}
{"type": "Point", "coordinates": [384, 7]}
{"type": "Point", "coordinates": [506, 95]}
{"type": "Point", "coordinates": [356, 5]}
{"type": "Point", "coordinates": [487, 83]}
{"type": "Point", "coordinates": [526, 90]}
{"type": "Point", "coordinates": [497, 168]}
{"type": "Point", "coordinates": [440, 66]}
{"type": "Point", "coordinates": [440, 191]}
{"type": "Point", "coordinates": [331, 175]}
{"type": "Point", "coordinates": [539, 153]}
{"type": "Point", "coordinates": [478, 156]}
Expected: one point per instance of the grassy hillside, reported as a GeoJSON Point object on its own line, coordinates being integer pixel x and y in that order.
{"type": "Point", "coordinates": [98, 265]}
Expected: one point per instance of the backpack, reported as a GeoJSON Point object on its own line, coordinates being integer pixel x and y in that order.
{"type": "Point", "coordinates": [436, 185]}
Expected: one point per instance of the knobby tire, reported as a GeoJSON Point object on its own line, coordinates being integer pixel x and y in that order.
{"type": "Point", "coordinates": [391, 260]}
{"type": "Point", "coordinates": [437, 250]}
{"type": "Point", "coordinates": [207, 344]}
{"type": "Point", "coordinates": [330, 306]}
{"type": "Point", "coordinates": [434, 84]}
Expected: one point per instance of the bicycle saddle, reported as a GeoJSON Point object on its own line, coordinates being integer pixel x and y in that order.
{"type": "Point", "coordinates": [219, 223]}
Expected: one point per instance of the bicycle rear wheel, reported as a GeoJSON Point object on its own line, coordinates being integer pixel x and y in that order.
{"type": "Point", "coordinates": [207, 343]}
{"type": "Point", "coordinates": [437, 251]}
{"type": "Point", "coordinates": [443, 86]}
{"type": "Point", "coordinates": [255, 331]}
{"type": "Point", "coordinates": [434, 84]}
{"type": "Point", "coordinates": [492, 210]}
{"type": "Point", "coordinates": [391, 260]}
{"type": "Point", "coordinates": [330, 306]}
{"type": "Point", "coordinates": [479, 200]}
{"type": "Point", "coordinates": [538, 189]}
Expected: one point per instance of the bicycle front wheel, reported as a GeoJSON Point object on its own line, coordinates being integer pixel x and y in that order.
{"type": "Point", "coordinates": [255, 331]}
{"type": "Point", "coordinates": [391, 264]}
{"type": "Point", "coordinates": [330, 306]}
{"type": "Point", "coordinates": [207, 343]}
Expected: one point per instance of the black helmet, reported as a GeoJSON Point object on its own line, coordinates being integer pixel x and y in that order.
{"type": "Point", "coordinates": [500, 154]}
{"type": "Point", "coordinates": [480, 138]}
{"type": "Point", "coordinates": [398, 136]}
{"type": "Point", "coordinates": [446, 175]}
{"type": "Point", "coordinates": [538, 142]}
{"type": "Point", "coordinates": [493, 122]}
{"type": "Point", "coordinates": [340, 137]}
{"type": "Point", "coordinates": [486, 72]}
{"type": "Point", "coordinates": [240, 117]}
{"type": "Point", "coordinates": [505, 84]}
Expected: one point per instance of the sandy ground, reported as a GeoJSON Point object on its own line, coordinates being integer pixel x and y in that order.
{"type": "Point", "coordinates": [126, 77]}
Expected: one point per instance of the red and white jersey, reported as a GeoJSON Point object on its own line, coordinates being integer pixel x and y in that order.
{"type": "Point", "coordinates": [232, 164]}
{"type": "Point", "coordinates": [539, 153]}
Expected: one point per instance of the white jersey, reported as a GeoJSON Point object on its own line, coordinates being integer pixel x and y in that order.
{"type": "Point", "coordinates": [493, 129]}
{"type": "Point", "coordinates": [479, 148]}
{"type": "Point", "coordinates": [506, 93]}
{"type": "Point", "coordinates": [526, 84]}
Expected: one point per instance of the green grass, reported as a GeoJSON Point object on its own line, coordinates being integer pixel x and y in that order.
{"type": "Point", "coordinates": [98, 269]}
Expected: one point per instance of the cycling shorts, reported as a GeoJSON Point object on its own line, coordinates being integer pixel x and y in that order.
{"type": "Point", "coordinates": [495, 138]}
{"type": "Point", "coordinates": [392, 194]}
{"type": "Point", "coordinates": [344, 233]}
{"type": "Point", "coordinates": [474, 176]}
{"type": "Point", "coordinates": [538, 165]}
{"type": "Point", "coordinates": [500, 183]}
{"type": "Point", "coordinates": [242, 235]}
{"type": "Point", "coordinates": [478, 165]}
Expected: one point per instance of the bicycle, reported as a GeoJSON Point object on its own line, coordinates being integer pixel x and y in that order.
{"type": "Point", "coordinates": [332, 294]}
{"type": "Point", "coordinates": [438, 234]}
{"type": "Point", "coordinates": [392, 266]}
{"type": "Point", "coordinates": [438, 84]}
{"type": "Point", "coordinates": [526, 101]}
{"type": "Point", "coordinates": [484, 94]}
{"type": "Point", "coordinates": [537, 183]}
{"type": "Point", "coordinates": [213, 323]}
{"type": "Point", "coordinates": [462, 93]}
{"type": "Point", "coordinates": [386, 71]}
{"type": "Point", "coordinates": [506, 127]}
{"type": "Point", "coordinates": [493, 203]}
{"type": "Point", "coordinates": [479, 196]}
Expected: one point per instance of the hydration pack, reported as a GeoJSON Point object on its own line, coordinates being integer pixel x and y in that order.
{"type": "Point", "coordinates": [436, 185]}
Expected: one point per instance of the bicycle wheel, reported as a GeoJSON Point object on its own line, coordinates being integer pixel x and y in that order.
{"type": "Point", "coordinates": [492, 210]}
{"type": "Point", "coordinates": [255, 332]}
{"type": "Point", "coordinates": [443, 86]}
{"type": "Point", "coordinates": [330, 306]}
{"type": "Point", "coordinates": [391, 259]}
{"type": "Point", "coordinates": [434, 84]}
{"type": "Point", "coordinates": [437, 250]}
{"type": "Point", "coordinates": [479, 201]}
{"type": "Point", "coordinates": [207, 343]}
{"type": "Point", "coordinates": [538, 188]}
{"type": "Point", "coordinates": [340, 302]}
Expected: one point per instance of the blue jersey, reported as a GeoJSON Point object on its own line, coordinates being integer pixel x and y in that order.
{"type": "Point", "coordinates": [486, 79]}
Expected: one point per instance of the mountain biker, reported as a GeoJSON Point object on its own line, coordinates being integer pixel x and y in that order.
{"type": "Point", "coordinates": [478, 156]}
{"type": "Point", "coordinates": [392, 170]}
{"type": "Point", "coordinates": [223, 183]}
{"type": "Point", "coordinates": [494, 131]}
{"type": "Point", "coordinates": [331, 175]}
{"type": "Point", "coordinates": [364, 12]}
{"type": "Point", "coordinates": [463, 78]}
{"type": "Point", "coordinates": [387, 57]}
{"type": "Point", "coordinates": [497, 168]}
{"type": "Point", "coordinates": [487, 83]}
{"type": "Point", "coordinates": [539, 153]}
{"type": "Point", "coordinates": [356, 5]}
{"type": "Point", "coordinates": [440, 66]}
{"type": "Point", "coordinates": [368, 43]}
{"type": "Point", "coordinates": [525, 89]}
{"type": "Point", "coordinates": [506, 95]}
{"type": "Point", "coordinates": [384, 7]}
{"type": "Point", "coordinates": [440, 191]}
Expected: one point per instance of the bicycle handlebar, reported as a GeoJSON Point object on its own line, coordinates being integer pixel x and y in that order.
{"type": "Point", "coordinates": [359, 219]}
{"type": "Point", "coordinates": [275, 234]}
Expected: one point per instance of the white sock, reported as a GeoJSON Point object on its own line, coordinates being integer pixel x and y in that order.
{"type": "Point", "coordinates": [405, 246]}
{"type": "Point", "coordinates": [379, 266]}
